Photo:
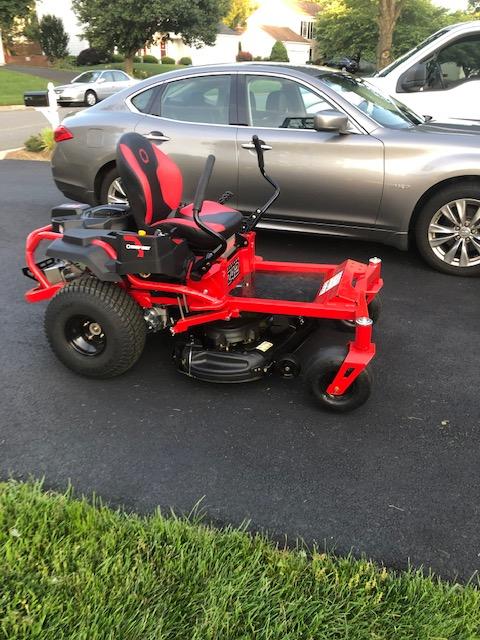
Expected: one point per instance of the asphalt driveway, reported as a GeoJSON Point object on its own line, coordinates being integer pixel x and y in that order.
{"type": "Point", "coordinates": [397, 480]}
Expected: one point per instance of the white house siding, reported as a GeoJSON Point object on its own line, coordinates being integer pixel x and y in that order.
{"type": "Point", "coordinates": [63, 9]}
{"type": "Point", "coordinates": [225, 49]}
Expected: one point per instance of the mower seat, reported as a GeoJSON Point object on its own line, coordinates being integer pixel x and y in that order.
{"type": "Point", "coordinates": [153, 184]}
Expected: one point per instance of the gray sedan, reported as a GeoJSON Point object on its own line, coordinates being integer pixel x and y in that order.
{"type": "Point", "coordinates": [351, 161]}
{"type": "Point", "coordinates": [92, 86]}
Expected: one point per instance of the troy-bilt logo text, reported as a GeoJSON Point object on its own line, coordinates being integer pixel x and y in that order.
{"type": "Point", "coordinates": [133, 244]}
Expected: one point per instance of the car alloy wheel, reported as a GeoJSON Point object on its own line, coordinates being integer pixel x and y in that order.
{"type": "Point", "coordinates": [91, 98]}
{"type": "Point", "coordinates": [454, 233]}
{"type": "Point", "coordinates": [116, 193]}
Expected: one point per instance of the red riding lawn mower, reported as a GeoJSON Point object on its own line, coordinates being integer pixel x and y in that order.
{"type": "Point", "coordinates": [113, 273]}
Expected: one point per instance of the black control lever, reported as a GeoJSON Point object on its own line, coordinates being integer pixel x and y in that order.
{"type": "Point", "coordinates": [252, 221]}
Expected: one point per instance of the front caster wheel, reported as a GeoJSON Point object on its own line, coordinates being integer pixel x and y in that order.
{"type": "Point", "coordinates": [374, 311]}
{"type": "Point", "coordinates": [320, 375]}
{"type": "Point", "coordinates": [95, 328]}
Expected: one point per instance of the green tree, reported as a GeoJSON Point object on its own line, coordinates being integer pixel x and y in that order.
{"type": "Point", "coordinates": [240, 11]}
{"type": "Point", "coordinates": [279, 52]}
{"type": "Point", "coordinates": [130, 25]}
{"type": "Point", "coordinates": [348, 26]}
{"type": "Point", "coordinates": [474, 5]}
{"type": "Point", "coordinates": [53, 38]}
{"type": "Point", "coordinates": [10, 11]}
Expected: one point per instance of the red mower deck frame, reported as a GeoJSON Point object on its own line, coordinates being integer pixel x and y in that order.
{"type": "Point", "coordinates": [344, 293]}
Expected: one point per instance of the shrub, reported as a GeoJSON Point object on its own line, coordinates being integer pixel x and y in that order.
{"type": "Point", "coordinates": [140, 74]}
{"type": "Point", "coordinates": [244, 56]}
{"type": "Point", "coordinates": [117, 57]}
{"type": "Point", "coordinates": [43, 141]}
{"type": "Point", "coordinates": [69, 62]}
{"type": "Point", "coordinates": [258, 58]}
{"type": "Point", "coordinates": [92, 56]}
{"type": "Point", "coordinates": [137, 59]}
{"type": "Point", "coordinates": [279, 53]}
{"type": "Point", "coordinates": [167, 60]}
{"type": "Point", "coordinates": [47, 138]}
{"type": "Point", "coordinates": [150, 59]}
{"type": "Point", "coordinates": [186, 61]}
{"type": "Point", "coordinates": [53, 37]}
{"type": "Point", "coordinates": [34, 143]}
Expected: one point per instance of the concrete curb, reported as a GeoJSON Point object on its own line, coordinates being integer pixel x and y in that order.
{"type": "Point", "coordinates": [14, 107]}
{"type": "Point", "coordinates": [4, 152]}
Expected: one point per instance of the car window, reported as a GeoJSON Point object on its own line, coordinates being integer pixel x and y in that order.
{"type": "Point", "coordinates": [204, 99]}
{"type": "Point", "coordinates": [88, 76]}
{"type": "Point", "coordinates": [456, 64]}
{"type": "Point", "coordinates": [282, 103]}
{"type": "Point", "coordinates": [366, 98]}
{"type": "Point", "coordinates": [119, 76]}
{"type": "Point", "coordinates": [107, 76]}
{"type": "Point", "coordinates": [142, 100]}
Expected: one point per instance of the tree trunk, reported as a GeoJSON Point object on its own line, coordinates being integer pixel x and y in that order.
{"type": "Point", "coordinates": [129, 64]}
{"type": "Point", "coordinates": [388, 13]}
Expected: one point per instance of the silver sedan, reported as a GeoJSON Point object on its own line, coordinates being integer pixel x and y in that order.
{"type": "Point", "coordinates": [91, 86]}
{"type": "Point", "coordinates": [350, 161]}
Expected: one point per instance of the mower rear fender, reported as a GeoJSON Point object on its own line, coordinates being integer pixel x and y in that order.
{"type": "Point", "coordinates": [93, 257]}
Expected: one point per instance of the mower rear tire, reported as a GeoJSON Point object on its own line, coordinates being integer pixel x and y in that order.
{"type": "Point", "coordinates": [95, 328]}
{"type": "Point", "coordinates": [320, 374]}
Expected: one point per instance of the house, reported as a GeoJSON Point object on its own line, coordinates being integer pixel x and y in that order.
{"type": "Point", "coordinates": [290, 21]}
{"type": "Point", "coordinates": [73, 28]}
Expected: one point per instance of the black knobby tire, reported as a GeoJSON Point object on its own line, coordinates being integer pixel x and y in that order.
{"type": "Point", "coordinates": [459, 191]}
{"type": "Point", "coordinates": [114, 315]}
{"type": "Point", "coordinates": [374, 311]}
{"type": "Point", "coordinates": [321, 372]}
{"type": "Point", "coordinates": [87, 94]}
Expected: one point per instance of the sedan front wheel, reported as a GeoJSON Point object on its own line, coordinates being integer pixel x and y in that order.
{"type": "Point", "coordinates": [112, 191]}
{"type": "Point", "coordinates": [448, 230]}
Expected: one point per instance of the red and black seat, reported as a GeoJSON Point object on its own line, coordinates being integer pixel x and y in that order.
{"type": "Point", "coordinates": [153, 184]}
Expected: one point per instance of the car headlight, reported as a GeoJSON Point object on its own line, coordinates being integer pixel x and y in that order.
{"type": "Point", "coordinates": [59, 91]}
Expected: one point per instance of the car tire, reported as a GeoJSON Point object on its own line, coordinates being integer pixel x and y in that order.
{"type": "Point", "coordinates": [95, 328]}
{"type": "Point", "coordinates": [90, 98]}
{"type": "Point", "coordinates": [457, 209]}
{"type": "Point", "coordinates": [109, 192]}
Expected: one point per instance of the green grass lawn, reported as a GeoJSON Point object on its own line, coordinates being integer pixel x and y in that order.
{"type": "Point", "coordinates": [13, 85]}
{"type": "Point", "coordinates": [70, 570]}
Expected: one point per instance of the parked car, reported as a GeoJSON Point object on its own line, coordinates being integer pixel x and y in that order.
{"type": "Point", "coordinates": [345, 63]}
{"type": "Point", "coordinates": [441, 76]}
{"type": "Point", "coordinates": [351, 161]}
{"type": "Point", "coordinates": [92, 86]}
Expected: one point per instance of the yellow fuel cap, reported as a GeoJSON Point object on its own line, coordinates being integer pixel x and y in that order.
{"type": "Point", "coordinates": [142, 232]}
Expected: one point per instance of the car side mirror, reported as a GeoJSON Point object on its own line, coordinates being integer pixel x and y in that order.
{"type": "Point", "coordinates": [414, 79]}
{"type": "Point", "coordinates": [330, 120]}
{"type": "Point", "coordinates": [100, 80]}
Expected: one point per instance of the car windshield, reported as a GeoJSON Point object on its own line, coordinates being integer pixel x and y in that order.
{"type": "Point", "coordinates": [385, 110]}
{"type": "Point", "coordinates": [88, 76]}
{"type": "Point", "coordinates": [398, 61]}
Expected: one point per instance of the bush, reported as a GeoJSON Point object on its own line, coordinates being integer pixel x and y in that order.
{"type": "Point", "coordinates": [244, 56]}
{"type": "Point", "coordinates": [34, 143]}
{"type": "Point", "coordinates": [47, 138]}
{"type": "Point", "coordinates": [117, 57]}
{"type": "Point", "coordinates": [279, 53]}
{"type": "Point", "coordinates": [53, 37]}
{"type": "Point", "coordinates": [140, 74]}
{"type": "Point", "coordinates": [186, 61]}
{"type": "Point", "coordinates": [69, 62]}
{"type": "Point", "coordinates": [137, 59]}
{"type": "Point", "coordinates": [258, 58]}
{"type": "Point", "coordinates": [150, 59]}
{"type": "Point", "coordinates": [167, 60]}
{"type": "Point", "coordinates": [92, 56]}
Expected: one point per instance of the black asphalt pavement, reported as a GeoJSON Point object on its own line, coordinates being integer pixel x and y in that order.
{"type": "Point", "coordinates": [397, 480]}
{"type": "Point", "coordinates": [60, 76]}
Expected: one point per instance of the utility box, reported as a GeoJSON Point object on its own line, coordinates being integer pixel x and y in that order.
{"type": "Point", "coordinates": [36, 99]}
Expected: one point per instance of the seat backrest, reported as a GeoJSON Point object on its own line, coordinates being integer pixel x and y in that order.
{"type": "Point", "coordinates": [152, 181]}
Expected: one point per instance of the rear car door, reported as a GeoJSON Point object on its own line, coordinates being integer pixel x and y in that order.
{"type": "Point", "coordinates": [104, 86]}
{"type": "Point", "coordinates": [324, 177]}
{"type": "Point", "coordinates": [189, 118]}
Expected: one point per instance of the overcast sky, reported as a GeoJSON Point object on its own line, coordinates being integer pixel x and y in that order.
{"type": "Point", "coordinates": [452, 4]}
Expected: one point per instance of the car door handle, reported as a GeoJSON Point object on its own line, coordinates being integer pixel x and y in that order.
{"type": "Point", "coordinates": [250, 145]}
{"type": "Point", "coordinates": [157, 135]}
